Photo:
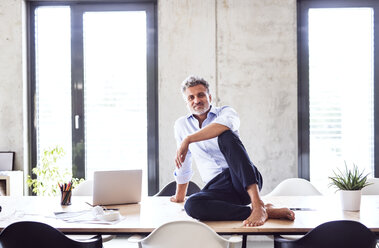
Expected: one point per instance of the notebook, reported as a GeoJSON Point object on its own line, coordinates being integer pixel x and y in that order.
{"type": "Point", "coordinates": [117, 187]}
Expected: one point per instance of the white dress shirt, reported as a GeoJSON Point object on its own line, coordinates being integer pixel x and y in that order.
{"type": "Point", "coordinates": [209, 159]}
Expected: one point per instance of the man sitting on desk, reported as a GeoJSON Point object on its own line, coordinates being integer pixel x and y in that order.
{"type": "Point", "coordinates": [210, 135]}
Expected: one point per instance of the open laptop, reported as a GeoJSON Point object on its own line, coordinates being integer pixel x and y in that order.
{"type": "Point", "coordinates": [117, 187]}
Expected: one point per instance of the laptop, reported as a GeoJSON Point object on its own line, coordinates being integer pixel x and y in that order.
{"type": "Point", "coordinates": [117, 187]}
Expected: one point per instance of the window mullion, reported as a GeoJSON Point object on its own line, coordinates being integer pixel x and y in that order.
{"type": "Point", "coordinates": [77, 79]}
{"type": "Point", "coordinates": [376, 90]}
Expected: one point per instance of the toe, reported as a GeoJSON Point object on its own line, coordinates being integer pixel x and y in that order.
{"type": "Point", "coordinates": [291, 216]}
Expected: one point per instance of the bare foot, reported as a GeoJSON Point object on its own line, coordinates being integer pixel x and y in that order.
{"type": "Point", "coordinates": [257, 217]}
{"type": "Point", "coordinates": [279, 213]}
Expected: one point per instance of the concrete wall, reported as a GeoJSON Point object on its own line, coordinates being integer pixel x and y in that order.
{"type": "Point", "coordinates": [246, 49]}
{"type": "Point", "coordinates": [11, 80]}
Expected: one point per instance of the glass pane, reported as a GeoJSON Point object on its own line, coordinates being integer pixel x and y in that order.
{"type": "Point", "coordinates": [340, 91]}
{"type": "Point", "coordinates": [53, 80]}
{"type": "Point", "coordinates": [115, 91]}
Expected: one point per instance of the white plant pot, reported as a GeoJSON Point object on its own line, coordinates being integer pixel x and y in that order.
{"type": "Point", "coordinates": [350, 200]}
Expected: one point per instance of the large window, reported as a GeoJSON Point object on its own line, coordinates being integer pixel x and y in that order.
{"type": "Point", "coordinates": [93, 86]}
{"type": "Point", "coordinates": [337, 88]}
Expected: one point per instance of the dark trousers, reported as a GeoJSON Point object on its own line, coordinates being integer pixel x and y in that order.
{"type": "Point", "coordinates": [225, 196]}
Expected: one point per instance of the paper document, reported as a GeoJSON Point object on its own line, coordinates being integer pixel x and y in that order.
{"type": "Point", "coordinates": [85, 216]}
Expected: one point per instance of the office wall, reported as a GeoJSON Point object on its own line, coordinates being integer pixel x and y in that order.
{"type": "Point", "coordinates": [246, 49]}
{"type": "Point", "coordinates": [11, 80]}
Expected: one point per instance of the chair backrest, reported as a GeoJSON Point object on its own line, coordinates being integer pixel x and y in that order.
{"type": "Point", "coordinates": [29, 234]}
{"type": "Point", "coordinates": [84, 189]}
{"type": "Point", "coordinates": [170, 189]}
{"type": "Point", "coordinates": [185, 234]}
{"type": "Point", "coordinates": [372, 189]}
{"type": "Point", "coordinates": [341, 233]}
{"type": "Point", "coordinates": [294, 187]}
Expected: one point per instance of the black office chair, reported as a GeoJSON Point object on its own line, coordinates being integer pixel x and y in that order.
{"type": "Point", "coordinates": [29, 234]}
{"type": "Point", "coordinates": [334, 234]}
{"type": "Point", "coordinates": [170, 189]}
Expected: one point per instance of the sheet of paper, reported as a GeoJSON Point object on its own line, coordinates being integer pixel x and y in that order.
{"type": "Point", "coordinates": [85, 216]}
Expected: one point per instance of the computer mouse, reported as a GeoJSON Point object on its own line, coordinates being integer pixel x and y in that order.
{"type": "Point", "coordinates": [107, 215]}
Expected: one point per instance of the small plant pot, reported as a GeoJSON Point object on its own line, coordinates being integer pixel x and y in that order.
{"type": "Point", "coordinates": [350, 200]}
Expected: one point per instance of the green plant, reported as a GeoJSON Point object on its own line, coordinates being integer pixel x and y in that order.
{"type": "Point", "coordinates": [350, 179]}
{"type": "Point", "coordinates": [49, 174]}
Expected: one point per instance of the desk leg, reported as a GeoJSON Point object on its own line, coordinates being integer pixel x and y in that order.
{"type": "Point", "coordinates": [244, 241]}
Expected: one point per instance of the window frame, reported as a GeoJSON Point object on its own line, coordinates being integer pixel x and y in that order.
{"type": "Point", "coordinates": [303, 77]}
{"type": "Point", "coordinates": [150, 6]}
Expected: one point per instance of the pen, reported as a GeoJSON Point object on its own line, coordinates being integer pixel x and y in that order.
{"type": "Point", "coordinates": [104, 208]}
{"type": "Point", "coordinates": [302, 209]}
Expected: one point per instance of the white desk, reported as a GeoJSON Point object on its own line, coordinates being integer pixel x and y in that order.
{"type": "Point", "coordinates": [154, 211]}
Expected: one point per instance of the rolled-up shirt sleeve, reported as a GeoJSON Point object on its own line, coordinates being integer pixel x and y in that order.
{"type": "Point", "coordinates": [228, 117]}
{"type": "Point", "coordinates": [184, 173]}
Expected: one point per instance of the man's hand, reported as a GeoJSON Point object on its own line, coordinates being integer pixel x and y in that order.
{"type": "Point", "coordinates": [181, 191]}
{"type": "Point", "coordinates": [208, 132]}
{"type": "Point", "coordinates": [181, 153]}
{"type": "Point", "coordinates": [174, 198]}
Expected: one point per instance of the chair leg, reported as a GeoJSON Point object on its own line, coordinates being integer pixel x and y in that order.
{"type": "Point", "coordinates": [244, 241]}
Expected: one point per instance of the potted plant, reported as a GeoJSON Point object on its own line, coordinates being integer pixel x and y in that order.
{"type": "Point", "coordinates": [349, 182]}
{"type": "Point", "coordinates": [49, 174]}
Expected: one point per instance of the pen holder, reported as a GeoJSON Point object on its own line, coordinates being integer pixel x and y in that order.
{"type": "Point", "coordinates": [66, 197]}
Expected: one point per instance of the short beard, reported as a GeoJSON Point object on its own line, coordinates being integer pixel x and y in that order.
{"type": "Point", "coordinates": [198, 112]}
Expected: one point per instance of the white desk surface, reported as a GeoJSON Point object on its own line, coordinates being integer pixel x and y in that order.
{"type": "Point", "coordinates": [154, 211]}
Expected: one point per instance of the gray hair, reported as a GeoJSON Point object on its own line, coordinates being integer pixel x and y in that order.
{"type": "Point", "coordinates": [193, 81]}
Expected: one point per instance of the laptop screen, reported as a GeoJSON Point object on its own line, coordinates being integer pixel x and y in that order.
{"type": "Point", "coordinates": [117, 187]}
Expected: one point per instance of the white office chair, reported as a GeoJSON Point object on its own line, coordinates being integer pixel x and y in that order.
{"type": "Point", "coordinates": [185, 234]}
{"type": "Point", "coordinates": [294, 187]}
{"type": "Point", "coordinates": [83, 189]}
{"type": "Point", "coordinates": [372, 189]}
{"type": "Point", "coordinates": [86, 189]}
